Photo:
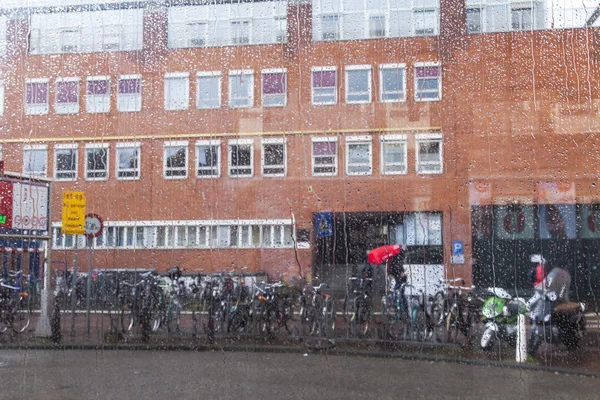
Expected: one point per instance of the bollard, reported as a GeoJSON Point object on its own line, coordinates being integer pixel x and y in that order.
{"type": "Point", "coordinates": [521, 355]}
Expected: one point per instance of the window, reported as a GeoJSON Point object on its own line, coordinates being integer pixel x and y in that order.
{"type": "Point", "coordinates": [428, 78]}
{"type": "Point", "coordinates": [65, 162]}
{"type": "Point", "coordinates": [111, 37]}
{"type": "Point", "coordinates": [358, 84]}
{"type": "Point", "coordinates": [429, 154]}
{"type": "Point", "coordinates": [280, 29]}
{"type": "Point", "coordinates": [98, 94]}
{"type": "Point", "coordinates": [376, 26]}
{"type": "Point", "coordinates": [240, 32]}
{"type": "Point", "coordinates": [241, 88]}
{"type": "Point", "coordinates": [96, 162]}
{"type": "Point", "coordinates": [522, 19]}
{"type": "Point", "coordinates": [209, 90]}
{"type": "Point", "coordinates": [130, 93]}
{"type": "Point", "coordinates": [359, 155]}
{"type": "Point", "coordinates": [273, 157]}
{"type": "Point", "coordinates": [330, 27]}
{"type": "Point", "coordinates": [473, 20]}
{"type": "Point", "coordinates": [425, 22]}
{"type": "Point", "coordinates": [392, 81]}
{"type": "Point", "coordinates": [274, 87]}
{"type": "Point", "coordinates": [324, 85]}
{"type": "Point", "coordinates": [36, 96]}
{"type": "Point", "coordinates": [177, 91]}
{"type": "Point", "coordinates": [208, 158]}
{"type": "Point", "coordinates": [69, 40]}
{"type": "Point", "coordinates": [1, 99]}
{"type": "Point", "coordinates": [324, 156]}
{"type": "Point", "coordinates": [35, 160]}
{"type": "Point", "coordinates": [241, 158]}
{"type": "Point", "coordinates": [423, 229]}
{"type": "Point", "coordinates": [196, 34]}
{"type": "Point", "coordinates": [176, 160]}
{"type": "Point", "coordinates": [393, 155]}
{"type": "Point", "coordinates": [67, 96]}
{"type": "Point", "coordinates": [128, 161]}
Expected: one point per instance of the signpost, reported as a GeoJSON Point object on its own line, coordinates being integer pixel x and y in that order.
{"type": "Point", "coordinates": [93, 226]}
{"type": "Point", "coordinates": [73, 220]}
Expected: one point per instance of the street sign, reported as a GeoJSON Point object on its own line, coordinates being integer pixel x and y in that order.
{"type": "Point", "coordinates": [93, 225]}
{"type": "Point", "coordinates": [458, 256]}
{"type": "Point", "coordinates": [73, 213]}
{"type": "Point", "coordinates": [324, 224]}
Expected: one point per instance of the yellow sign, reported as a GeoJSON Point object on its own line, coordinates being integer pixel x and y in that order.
{"type": "Point", "coordinates": [73, 213]}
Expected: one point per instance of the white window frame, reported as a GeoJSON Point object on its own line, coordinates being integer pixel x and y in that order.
{"type": "Point", "coordinates": [76, 46]}
{"type": "Point", "coordinates": [137, 170]}
{"type": "Point", "coordinates": [312, 86]}
{"type": "Point", "coordinates": [185, 103]}
{"type": "Point", "coordinates": [240, 142]}
{"type": "Point", "coordinates": [417, 91]}
{"type": "Point", "coordinates": [217, 144]}
{"type": "Point", "coordinates": [336, 157]}
{"type": "Point", "coordinates": [68, 146]}
{"type": "Point", "coordinates": [269, 141]}
{"type": "Point", "coordinates": [36, 147]}
{"type": "Point", "coordinates": [263, 95]}
{"type": "Point", "coordinates": [37, 108]}
{"type": "Point", "coordinates": [364, 139]}
{"type": "Point", "coordinates": [393, 139]}
{"type": "Point", "coordinates": [349, 69]}
{"type": "Point", "coordinates": [91, 146]}
{"type": "Point", "coordinates": [340, 25]}
{"type": "Point", "coordinates": [176, 143]}
{"type": "Point", "coordinates": [373, 13]}
{"type": "Point", "coordinates": [210, 74]}
{"type": "Point", "coordinates": [103, 99]}
{"type": "Point", "coordinates": [233, 39]}
{"type": "Point", "coordinates": [248, 73]}
{"type": "Point", "coordinates": [382, 68]}
{"type": "Point", "coordinates": [123, 99]}
{"type": "Point", "coordinates": [425, 10]}
{"type": "Point", "coordinates": [190, 39]}
{"type": "Point", "coordinates": [427, 138]}
{"type": "Point", "coordinates": [66, 108]}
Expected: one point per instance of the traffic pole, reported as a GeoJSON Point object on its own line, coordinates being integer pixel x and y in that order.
{"type": "Point", "coordinates": [88, 288]}
{"type": "Point", "coordinates": [74, 287]}
{"type": "Point", "coordinates": [521, 355]}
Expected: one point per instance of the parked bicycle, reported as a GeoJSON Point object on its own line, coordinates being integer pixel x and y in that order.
{"type": "Point", "coordinates": [15, 303]}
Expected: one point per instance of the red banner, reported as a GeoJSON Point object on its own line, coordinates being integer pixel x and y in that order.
{"type": "Point", "coordinates": [6, 202]}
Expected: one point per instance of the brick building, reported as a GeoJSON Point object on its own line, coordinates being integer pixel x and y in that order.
{"type": "Point", "coordinates": [292, 136]}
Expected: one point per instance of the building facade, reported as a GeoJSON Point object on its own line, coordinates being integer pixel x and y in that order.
{"type": "Point", "coordinates": [292, 136]}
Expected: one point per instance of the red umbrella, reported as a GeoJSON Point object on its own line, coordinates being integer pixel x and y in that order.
{"type": "Point", "coordinates": [382, 254]}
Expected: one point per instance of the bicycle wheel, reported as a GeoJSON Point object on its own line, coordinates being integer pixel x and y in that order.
{"type": "Point", "coordinates": [350, 315]}
{"type": "Point", "coordinates": [127, 318]}
{"type": "Point", "coordinates": [328, 318]}
{"type": "Point", "coordinates": [363, 317]}
{"type": "Point", "coordinates": [392, 329]}
{"type": "Point", "coordinates": [452, 325]}
{"type": "Point", "coordinates": [22, 314]}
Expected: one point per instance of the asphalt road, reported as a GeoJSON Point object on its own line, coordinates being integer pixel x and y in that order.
{"type": "Point", "coordinates": [216, 375]}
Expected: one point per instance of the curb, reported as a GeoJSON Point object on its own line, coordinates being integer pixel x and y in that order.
{"type": "Point", "coordinates": [303, 350]}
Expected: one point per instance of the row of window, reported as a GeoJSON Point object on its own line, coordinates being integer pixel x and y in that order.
{"type": "Point", "coordinates": [240, 23]}
{"type": "Point", "coordinates": [240, 162]}
{"type": "Point", "coordinates": [324, 89]}
{"type": "Point", "coordinates": [216, 235]}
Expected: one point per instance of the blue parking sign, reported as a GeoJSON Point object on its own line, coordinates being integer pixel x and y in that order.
{"type": "Point", "coordinates": [323, 224]}
{"type": "Point", "coordinates": [457, 247]}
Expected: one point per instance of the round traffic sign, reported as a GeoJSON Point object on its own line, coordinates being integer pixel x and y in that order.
{"type": "Point", "coordinates": [93, 225]}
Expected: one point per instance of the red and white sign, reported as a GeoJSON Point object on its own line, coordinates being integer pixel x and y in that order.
{"type": "Point", "coordinates": [93, 225]}
{"type": "Point", "coordinates": [24, 205]}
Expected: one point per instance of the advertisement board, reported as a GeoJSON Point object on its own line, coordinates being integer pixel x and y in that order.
{"type": "Point", "coordinates": [23, 207]}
